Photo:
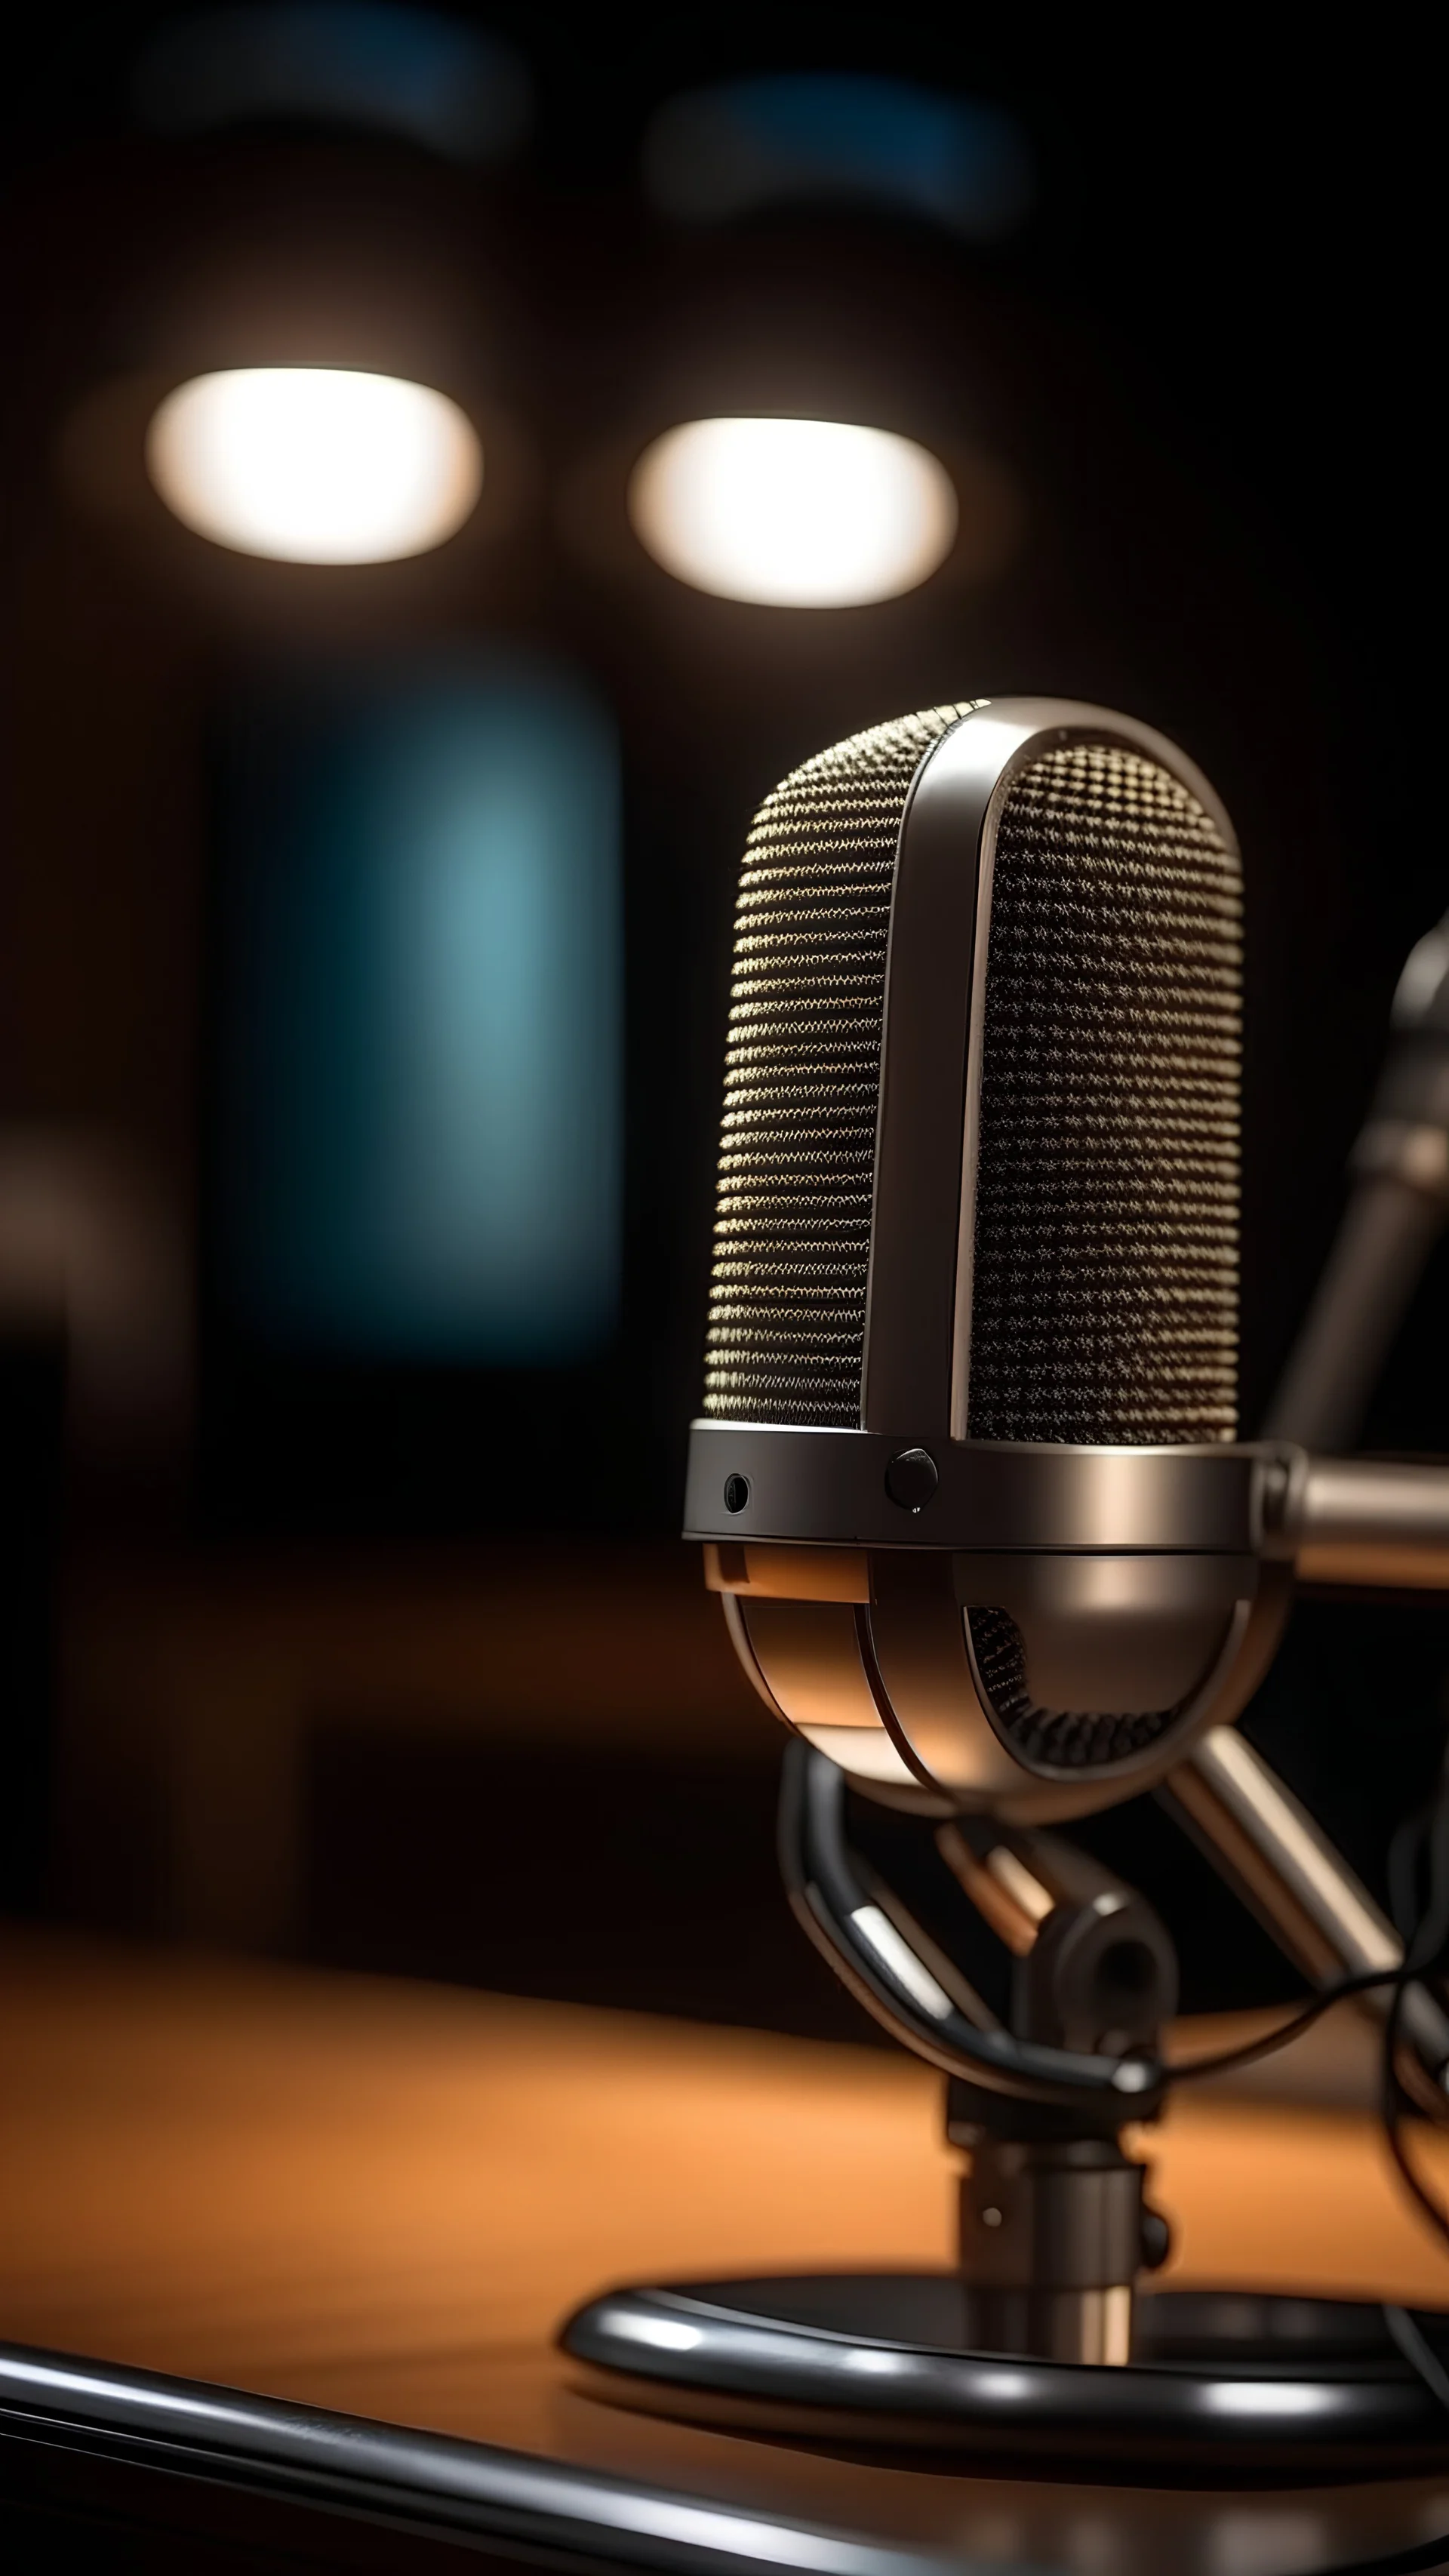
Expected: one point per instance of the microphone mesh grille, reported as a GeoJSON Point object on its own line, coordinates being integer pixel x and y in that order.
{"type": "Point", "coordinates": [802, 1079]}
{"type": "Point", "coordinates": [1104, 1293]}
{"type": "Point", "coordinates": [1066, 1739]}
{"type": "Point", "coordinates": [1104, 1296]}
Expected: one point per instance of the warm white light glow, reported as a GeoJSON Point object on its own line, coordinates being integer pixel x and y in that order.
{"type": "Point", "coordinates": [794, 513]}
{"type": "Point", "coordinates": [315, 464]}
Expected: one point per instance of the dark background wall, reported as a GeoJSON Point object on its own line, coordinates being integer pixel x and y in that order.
{"type": "Point", "coordinates": [1199, 373]}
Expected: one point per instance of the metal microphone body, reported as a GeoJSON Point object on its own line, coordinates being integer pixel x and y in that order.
{"type": "Point", "coordinates": [968, 1481]}
{"type": "Point", "coordinates": [967, 1474]}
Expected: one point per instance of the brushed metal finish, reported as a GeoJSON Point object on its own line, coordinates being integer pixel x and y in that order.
{"type": "Point", "coordinates": [827, 1488]}
{"type": "Point", "coordinates": [940, 1714]}
{"type": "Point", "coordinates": [1358, 1938]}
{"type": "Point", "coordinates": [761, 1572]}
{"type": "Point", "coordinates": [1371, 1521]}
{"type": "Point", "coordinates": [911, 1286]}
{"type": "Point", "coordinates": [1091, 2327]}
{"type": "Point", "coordinates": [810, 1657]}
{"type": "Point", "coordinates": [928, 1691]}
{"type": "Point", "coordinates": [1051, 2245]}
{"type": "Point", "coordinates": [1286, 1868]}
{"type": "Point", "coordinates": [868, 1756]}
{"type": "Point", "coordinates": [1007, 1892]}
{"type": "Point", "coordinates": [853, 1737]}
{"type": "Point", "coordinates": [1132, 1633]}
{"type": "Point", "coordinates": [1139, 1580]}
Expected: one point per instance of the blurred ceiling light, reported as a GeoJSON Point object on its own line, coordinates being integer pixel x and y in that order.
{"type": "Point", "coordinates": [793, 513]}
{"type": "Point", "coordinates": [337, 62]}
{"type": "Point", "coordinates": [838, 137]}
{"type": "Point", "coordinates": [315, 464]}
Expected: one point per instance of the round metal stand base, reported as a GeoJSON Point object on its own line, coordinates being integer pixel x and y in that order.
{"type": "Point", "coordinates": [1218, 2380]}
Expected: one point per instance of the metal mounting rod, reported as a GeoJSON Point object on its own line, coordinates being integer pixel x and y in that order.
{"type": "Point", "coordinates": [1286, 1870]}
{"type": "Point", "coordinates": [1371, 1521]}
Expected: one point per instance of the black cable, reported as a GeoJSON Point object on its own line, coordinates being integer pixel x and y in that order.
{"type": "Point", "coordinates": [1425, 1931]}
{"type": "Point", "coordinates": [1252, 2049]}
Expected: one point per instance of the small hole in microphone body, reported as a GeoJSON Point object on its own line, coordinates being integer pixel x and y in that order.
{"type": "Point", "coordinates": [736, 1493]}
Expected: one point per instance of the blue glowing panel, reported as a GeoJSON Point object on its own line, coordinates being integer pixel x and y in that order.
{"type": "Point", "coordinates": [422, 1120]}
{"type": "Point", "coordinates": [822, 137]}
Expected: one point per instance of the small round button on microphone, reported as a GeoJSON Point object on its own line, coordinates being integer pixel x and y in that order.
{"type": "Point", "coordinates": [911, 1479]}
{"type": "Point", "coordinates": [736, 1493]}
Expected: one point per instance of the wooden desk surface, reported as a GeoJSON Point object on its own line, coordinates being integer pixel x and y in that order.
{"type": "Point", "coordinates": [382, 2198]}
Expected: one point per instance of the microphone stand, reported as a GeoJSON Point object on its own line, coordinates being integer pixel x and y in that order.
{"type": "Point", "coordinates": [1039, 2344]}
{"type": "Point", "coordinates": [1042, 2343]}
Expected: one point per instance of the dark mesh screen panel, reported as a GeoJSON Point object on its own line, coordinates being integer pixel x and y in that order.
{"type": "Point", "coordinates": [1104, 1300]}
{"type": "Point", "coordinates": [1063, 1739]}
{"type": "Point", "coordinates": [802, 1075]}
